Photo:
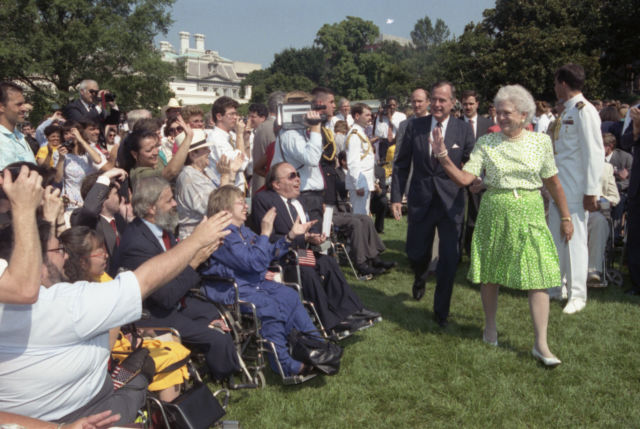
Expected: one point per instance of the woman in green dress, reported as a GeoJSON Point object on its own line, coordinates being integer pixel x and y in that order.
{"type": "Point", "coordinates": [512, 245]}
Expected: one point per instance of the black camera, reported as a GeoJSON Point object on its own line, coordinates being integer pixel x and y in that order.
{"type": "Point", "coordinates": [68, 144]}
{"type": "Point", "coordinates": [108, 97]}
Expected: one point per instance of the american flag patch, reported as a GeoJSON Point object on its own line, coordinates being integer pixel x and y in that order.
{"type": "Point", "coordinates": [308, 259]}
{"type": "Point", "coordinates": [120, 377]}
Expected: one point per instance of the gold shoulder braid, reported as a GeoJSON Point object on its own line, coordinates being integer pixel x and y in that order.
{"type": "Point", "coordinates": [365, 143]}
{"type": "Point", "coordinates": [580, 105]}
{"type": "Point", "coordinates": [331, 142]}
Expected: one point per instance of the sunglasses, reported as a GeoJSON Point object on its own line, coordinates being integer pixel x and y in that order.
{"type": "Point", "coordinates": [93, 91]}
{"type": "Point", "coordinates": [292, 175]}
{"type": "Point", "coordinates": [175, 130]}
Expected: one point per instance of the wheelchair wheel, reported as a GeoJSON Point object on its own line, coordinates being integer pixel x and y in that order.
{"type": "Point", "coordinates": [260, 380]}
{"type": "Point", "coordinates": [614, 277]}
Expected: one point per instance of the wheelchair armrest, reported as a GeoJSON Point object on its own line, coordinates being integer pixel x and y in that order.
{"type": "Point", "coordinates": [217, 279]}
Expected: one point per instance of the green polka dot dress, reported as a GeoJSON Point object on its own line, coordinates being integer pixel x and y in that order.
{"type": "Point", "coordinates": [512, 245]}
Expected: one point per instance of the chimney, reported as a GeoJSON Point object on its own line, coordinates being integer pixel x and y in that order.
{"type": "Point", "coordinates": [184, 42]}
{"type": "Point", "coordinates": [199, 42]}
{"type": "Point", "coordinates": [165, 46]}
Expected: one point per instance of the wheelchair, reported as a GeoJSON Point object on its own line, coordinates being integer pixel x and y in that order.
{"type": "Point", "coordinates": [242, 319]}
{"type": "Point", "coordinates": [610, 275]}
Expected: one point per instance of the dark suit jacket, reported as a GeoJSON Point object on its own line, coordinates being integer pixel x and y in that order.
{"type": "Point", "coordinates": [620, 160]}
{"type": "Point", "coordinates": [628, 143]}
{"type": "Point", "coordinates": [482, 126]}
{"type": "Point", "coordinates": [138, 245]}
{"type": "Point", "coordinates": [89, 215]}
{"type": "Point", "coordinates": [428, 183]}
{"type": "Point", "coordinates": [76, 112]}
{"type": "Point", "coordinates": [261, 203]}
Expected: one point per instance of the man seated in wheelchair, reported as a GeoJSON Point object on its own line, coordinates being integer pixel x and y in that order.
{"type": "Point", "coordinates": [599, 227]}
{"type": "Point", "coordinates": [245, 257]}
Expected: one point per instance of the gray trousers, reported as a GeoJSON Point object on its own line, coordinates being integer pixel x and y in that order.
{"type": "Point", "coordinates": [365, 241]}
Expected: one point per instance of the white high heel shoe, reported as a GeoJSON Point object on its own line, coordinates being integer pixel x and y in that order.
{"type": "Point", "coordinates": [550, 361]}
{"type": "Point", "coordinates": [491, 343]}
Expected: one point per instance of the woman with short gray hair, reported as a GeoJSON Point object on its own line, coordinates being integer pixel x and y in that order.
{"type": "Point", "coordinates": [512, 245]}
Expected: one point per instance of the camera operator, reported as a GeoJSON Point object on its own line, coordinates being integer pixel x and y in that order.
{"type": "Point", "coordinates": [94, 105]}
{"type": "Point", "coordinates": [387, 124]}
{"type": "Point", "coordinates": [302, 148]}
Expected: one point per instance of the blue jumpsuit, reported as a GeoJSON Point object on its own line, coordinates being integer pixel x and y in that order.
{"type": "Point", "coordinates": [245, 256]}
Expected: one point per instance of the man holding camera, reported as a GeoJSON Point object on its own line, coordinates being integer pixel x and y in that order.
{"type": "Point", "coordinates": [92, 106]}
{"type": "Point", "coordinates": [387, 126]}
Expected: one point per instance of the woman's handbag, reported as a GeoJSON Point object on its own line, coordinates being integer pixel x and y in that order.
{"type": "Point", "coordinates": [315, 351]}
{"type": "Point", "coordinates": [196, 408]}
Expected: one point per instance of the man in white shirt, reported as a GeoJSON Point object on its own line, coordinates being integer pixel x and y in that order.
{"type": "Point", "coordinates": [344, 113]}
{"type": "Point", "coordinates": [55, 352]}
{"type": "Point", "coordinates": [228, 135]}
{"type": "Point", "coordinates": [387, 126]}
{"type": "Point", "coordinates": [360, 180]}
{"type": "Point", "coordinates": [579, 155]}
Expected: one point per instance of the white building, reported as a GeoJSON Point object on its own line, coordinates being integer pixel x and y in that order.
{"type": "Point", "coordinates": [207, 74]}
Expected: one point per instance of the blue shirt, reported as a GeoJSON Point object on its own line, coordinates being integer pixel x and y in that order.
{"type": "Point", "coordinates": [14, 148]}
{"type": "Point", "coordinates": [304, 154]}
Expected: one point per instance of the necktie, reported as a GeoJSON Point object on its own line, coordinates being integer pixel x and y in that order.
{"type": "Point", "coordinates": [472, 127]}
{"type": "Point", "coordinates": [166, 240]}
{"type": "Point", "coordinates": [292, 210]}
{"type": "Point", "coordinates": [434, 159]}
{"type": "Point", "coordinates": [112, 222]}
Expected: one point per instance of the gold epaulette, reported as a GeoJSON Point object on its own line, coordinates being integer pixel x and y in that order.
{"type": "Point", "coordinates": [580, 105]}
{"type": "Point", "coordinates": [364, 142]}
{"type": "Point", "coordinates": [331, 142]}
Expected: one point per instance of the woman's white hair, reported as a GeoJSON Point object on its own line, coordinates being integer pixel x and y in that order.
{"type": "Point", "coordinates": [521, 99]}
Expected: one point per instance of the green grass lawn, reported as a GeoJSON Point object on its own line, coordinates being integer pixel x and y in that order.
{"type": "Point", "coordinates": [407, 372]}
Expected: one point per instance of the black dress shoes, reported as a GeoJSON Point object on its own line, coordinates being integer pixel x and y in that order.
{"type": "Point", "coordinates": [366, 269]}
{"type": "Point", "coordinates": [442, 322]}
{"type": "Point", "coordinates": [418, 289]}
{"type": "Point", "coordinates": [386, 265]}
{"type": "Point", "coordinates": [365, 314]}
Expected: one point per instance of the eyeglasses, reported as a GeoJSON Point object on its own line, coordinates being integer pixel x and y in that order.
{"type": "Point", "coordinates": [60, 250]}
{"type": "Point", "coordinates": [175, 130]}
{"type": "Point", "coordinates": [292, 175]}
{"type": "Point", "coordinates": [102, 253]}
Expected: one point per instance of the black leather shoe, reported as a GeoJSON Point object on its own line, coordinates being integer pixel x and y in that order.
{"type": "Point", "coordinates": [442, 322]}
{"type": "Point", "coordinates": [379, 263]}
{"type": "Point", "coordinates": [418, 289]}
{"type": "Point", "coordinates": [365, 314]}
{"type": "Point", "coordinates": [364, 269]}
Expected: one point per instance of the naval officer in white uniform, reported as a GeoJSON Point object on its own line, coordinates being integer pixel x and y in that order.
{"type": "Point", "coordinates": [579, 155]}
{"type": "Point", "coordinates": [360, 178]}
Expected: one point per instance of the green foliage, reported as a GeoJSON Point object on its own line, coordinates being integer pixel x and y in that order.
{"type": "Point", "coordinates": [53, 45]}
{"type": "Point", "coordinates": [425, 35]}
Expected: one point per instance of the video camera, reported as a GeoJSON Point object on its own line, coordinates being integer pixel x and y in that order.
{"type": "Point", "coordinates": [293, 116]}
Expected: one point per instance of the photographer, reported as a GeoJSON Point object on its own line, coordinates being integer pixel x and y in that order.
{"type": "Point", "coordinates": [94, 105]}
{"type": "Point", "coordinates": [304, 150]}
{"type": "Point", "coordinates": [386, 127]}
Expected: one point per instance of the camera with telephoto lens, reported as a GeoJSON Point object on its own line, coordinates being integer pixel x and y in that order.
{"type": "Point", "coordinates": [293, 116]}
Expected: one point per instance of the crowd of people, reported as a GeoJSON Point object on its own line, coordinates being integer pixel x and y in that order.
{"type": "Point", "coordinates": [104, 219]}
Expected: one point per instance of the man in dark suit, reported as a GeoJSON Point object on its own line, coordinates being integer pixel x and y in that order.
{"type": "Point", "coordinates": [338, 306]}
{"type": "Point", "coordinates": [480, 126]}
{"type": "Point", "coordinates": [434, 201]}
{"type": "Point", "coordinates": [631, 141]}
{"type": "Point", "coordinates": [92, 106]}
{"type": "Point", "coordinates": [101, 207]}
{"type": "Point", "coordinates": [150, 234]}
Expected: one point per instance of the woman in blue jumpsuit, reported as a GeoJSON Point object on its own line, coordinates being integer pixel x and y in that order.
{"type": "Point", "coordinates": [245, 256]}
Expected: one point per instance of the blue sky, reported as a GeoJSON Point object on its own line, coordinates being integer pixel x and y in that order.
{"type": "Point", "coordinates": [255, 30]}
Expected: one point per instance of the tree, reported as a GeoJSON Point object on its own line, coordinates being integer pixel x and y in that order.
{"type": "Point", "coordinates": [425, 35]}
{"type": "Point", "coordinates": [53, 45]}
